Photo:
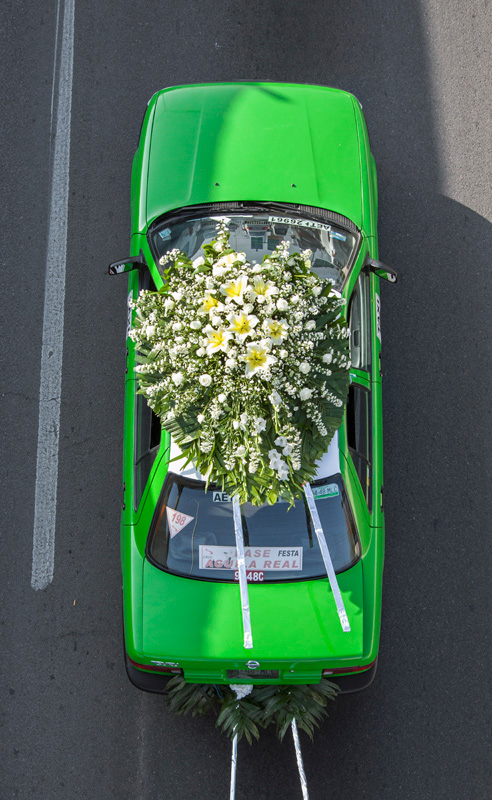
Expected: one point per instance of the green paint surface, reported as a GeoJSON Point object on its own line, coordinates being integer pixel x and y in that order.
{"type": "Point", "coordinates": [253, 141]}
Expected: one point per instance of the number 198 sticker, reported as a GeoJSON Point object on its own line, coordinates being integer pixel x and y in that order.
{"type": "Point", "coordinates": [177, 521]}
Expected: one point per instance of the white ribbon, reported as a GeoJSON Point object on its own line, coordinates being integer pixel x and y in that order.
{"type": "Point", "coordinates": [342, 614]}
{"type": "Point", "coordinates": [241, 566]}
{"type": "Point", "coordinates": [232, 794]}
{"type": "Point", "coordinates": [300, 765]}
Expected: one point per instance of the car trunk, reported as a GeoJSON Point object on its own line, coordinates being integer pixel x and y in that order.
{"type": "Point", "coordinates": [198, 624]}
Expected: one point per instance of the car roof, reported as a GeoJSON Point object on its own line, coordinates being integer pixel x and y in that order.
{"type": "Point", "coordinates": [328, 465]}
{"type": "Point", "coordinates": [226, 142]}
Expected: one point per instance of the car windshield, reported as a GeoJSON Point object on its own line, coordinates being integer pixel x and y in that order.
{"type": "Point", "coordinates": [192, 533]}
{"type": "Point", "coordinates": [258, 234]}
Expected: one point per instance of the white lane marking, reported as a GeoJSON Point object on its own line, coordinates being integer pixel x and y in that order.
{"type": "Point", "coordinates": [55, 61]}
{"type": "Point", "coordinates": [43, 548]}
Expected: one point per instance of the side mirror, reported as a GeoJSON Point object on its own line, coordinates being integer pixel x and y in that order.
{"type": "Point", "coordinates": [382, 270]}
{"type": "Point", "coordinates": [127, 264]}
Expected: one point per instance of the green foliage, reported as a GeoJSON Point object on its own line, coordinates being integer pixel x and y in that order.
{"type": "Point", "coordinates": [266, 705]}
{"type": "Point", "coordinates": [241, 717]}
{"type": "Point", "coordinates": [197, 698]}
{"type": "Point", "coordinates": [306, 703]}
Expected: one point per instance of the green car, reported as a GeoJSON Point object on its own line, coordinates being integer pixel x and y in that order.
{"type": "Point", "coordinates": [281, 162]}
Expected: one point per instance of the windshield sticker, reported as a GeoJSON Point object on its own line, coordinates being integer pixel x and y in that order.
{"type": "Point", "coordinates": [338, 236]}
{"type": "Point", "coordinates": [176, 521]}
{"type": "Point", "coordinates": [302, 223]}
{"type": "Point", "coordinates": [165, 234]}
{"type": "Point", "coordinates": [378, 317]}
{"type": "Point", "coordinates": [257, 558]}
{"type": "Point", "coordinates": [329, 490]}
{"type": "Point", "coordinates": [223, 497]}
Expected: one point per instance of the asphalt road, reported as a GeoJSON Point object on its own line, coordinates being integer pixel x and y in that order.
{"type": "Point", "coordinates": [73, 728]}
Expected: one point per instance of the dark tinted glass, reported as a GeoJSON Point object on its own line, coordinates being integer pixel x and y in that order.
{"type": "Point", "coordinates": [147, 441]}
{"type": "Point", "coordinates": [193, 533]}
{"type": "Point", "coordinates": [360, 323]}
{"type": "Point", "coordinates": [358, 416]}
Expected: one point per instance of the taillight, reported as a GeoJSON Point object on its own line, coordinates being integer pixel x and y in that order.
{"type": "Point", "coordinates": [157, 668]}
{"type": "Point", "coordinates": [342, 670]}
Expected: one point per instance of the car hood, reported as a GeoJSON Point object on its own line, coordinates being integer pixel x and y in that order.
{"type": "Point", "coordinates": [253, 141]}
{"type": "Point", "coordinates": [197, 619]}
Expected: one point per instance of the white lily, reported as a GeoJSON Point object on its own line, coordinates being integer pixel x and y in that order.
{"type": "Point", "coordinates": [242, 325]}
{"type": "Point", "coordinates": [276, 329]}
{"type": "Point", "coordinates": [234, 289]}
{"type": "Point", "coordinates": [216, 340]}
{"type": "Point", "coordinates": [262, 288]}
{"type": "Point", "coordinates": [210, 304]}
{"type": "Point", "coordinates": [257, 357]}
{"type": "Point", "coordinates": [228, 260]}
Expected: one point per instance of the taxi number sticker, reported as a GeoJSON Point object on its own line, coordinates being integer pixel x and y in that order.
{"type": "Point", "coordinates": [176, 521]}
{"type": "Point", "coordinates": [251, 577]}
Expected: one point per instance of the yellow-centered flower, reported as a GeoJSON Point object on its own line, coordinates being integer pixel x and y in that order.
{"type": "Point", "coordinates": [276, 329]}
{"type": "Point", "coordinates": [216, 340]}
{"type": "Point", "coordinates": [210, 303]}
{"type": "Point", "coordinates": [257, 357]}
{"type": "Point", "coordinates": [233, 290]}
{"type": "Point", "coordinates": [242, 325]}
{"type": "Point", "coordinates": [263, 288]}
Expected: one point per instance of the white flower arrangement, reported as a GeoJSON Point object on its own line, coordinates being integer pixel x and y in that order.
{"type": "Point", "coordinates": [234, 359]}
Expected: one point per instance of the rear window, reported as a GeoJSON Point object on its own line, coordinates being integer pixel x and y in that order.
{"type": "Point", "coordinates": [192, 534]}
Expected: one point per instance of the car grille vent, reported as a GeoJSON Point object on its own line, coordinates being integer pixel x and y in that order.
{"type": "Point", "coordinates": [225, 206]}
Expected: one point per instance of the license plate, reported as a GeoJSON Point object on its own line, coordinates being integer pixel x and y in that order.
{"type": "Point", "coordinates": [252, 673]}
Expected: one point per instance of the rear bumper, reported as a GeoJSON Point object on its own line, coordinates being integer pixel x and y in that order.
{"type": "Point", "coordinates": [355, 682]}
{"type": "Point", "coordinates": [157, 682]}
{"type": "Point", "coordinates": [147, 681]}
